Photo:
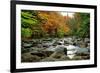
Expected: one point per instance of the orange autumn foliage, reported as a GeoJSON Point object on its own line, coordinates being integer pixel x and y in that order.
{"type": "Point", "coordinates": [53, 21]}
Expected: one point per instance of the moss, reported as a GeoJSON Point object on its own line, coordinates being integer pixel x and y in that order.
{"type": "Point", "coordinates": [27, 57]}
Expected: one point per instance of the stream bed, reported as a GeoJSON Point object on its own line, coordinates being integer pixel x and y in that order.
{"type": "Point", "coordinates": [55, 49]}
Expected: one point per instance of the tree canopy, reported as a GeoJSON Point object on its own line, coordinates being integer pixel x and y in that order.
{"type": "Point", "coordinates": [38, 24]}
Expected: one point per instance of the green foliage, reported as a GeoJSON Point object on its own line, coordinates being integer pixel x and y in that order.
{"type": "Point", "coordinates": [34, 26]}
{"type": "Point", "coordinates": [60, 33]}
{"type": "Point", "coordinates": [26, 32]}
{"type": "Point", "coordinates": [73, 26]}
{"type": "Point", "coordinates": [29, 20]}
{"type": "Point", "coordinates": [84, 30]}
{"type": "Point", "coordinates": [80, 25]}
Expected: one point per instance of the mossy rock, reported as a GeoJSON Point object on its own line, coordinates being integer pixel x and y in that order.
{"type": "Point", "coordinates": [48, 59]}
{"type": "Point", "coordinates": [64, 57]}
{"type": "Point", "coordinates": [27, 57]}
{"type": "Point", "coordinates": [57, 55]}
{"type": "Point", "coordinates": [77, 58]}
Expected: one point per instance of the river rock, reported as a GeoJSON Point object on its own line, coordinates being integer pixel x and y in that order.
{"type": "Point", "coordinates": [87, 40]}
{"type": "Point", "coordinates": [27, 57]}
{"type": "Point", "coordinates": [48, 59]}
{"type": "Point", "coordinates": [57, 55]}
{"type": "Point", "coordinates": [83, 45]}
{"type": "Point", "coordinates": [77, 58]}
{"type": "Point", "coordinates": [25, 50]}
{"type": "Point", "coordinates": [27, 45]}
{"type": "Point", "coordinates": [42, 54]}
{"type": "Point", "coordinates": [64, 57]}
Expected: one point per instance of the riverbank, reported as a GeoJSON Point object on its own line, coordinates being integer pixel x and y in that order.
{"type": "Point", "coordinates": [36, 50]}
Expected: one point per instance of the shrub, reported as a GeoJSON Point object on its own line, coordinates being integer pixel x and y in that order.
{"type": "Point", "coordinates": [26, 32]}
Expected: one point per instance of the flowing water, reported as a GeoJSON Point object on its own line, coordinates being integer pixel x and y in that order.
{"type": "Point", "coordinates": [72, 47]}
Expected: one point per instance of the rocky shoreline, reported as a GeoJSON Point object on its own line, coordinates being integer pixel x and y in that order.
{"type": "Point", "coordinates": [36, 50]}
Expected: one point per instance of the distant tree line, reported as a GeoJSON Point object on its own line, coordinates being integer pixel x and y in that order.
{"type": "Point", "coordinates": [80, 25]}
{"type": "Point", "coordinates": [38, 24]}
